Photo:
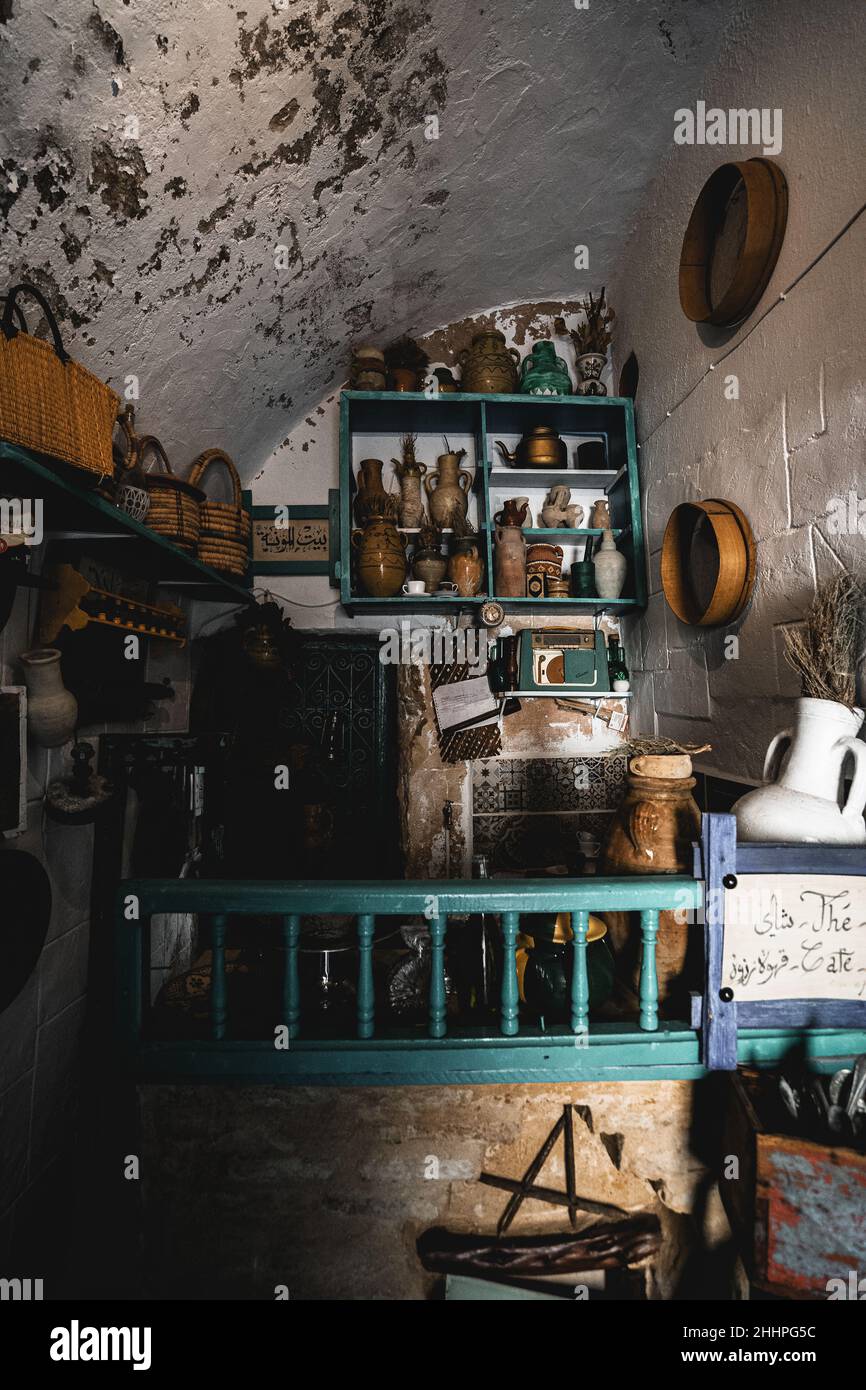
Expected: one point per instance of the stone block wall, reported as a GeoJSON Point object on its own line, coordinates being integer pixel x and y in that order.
{"type": "Point", "coordinates": [791, 440]}
{"type": "Point", "coordinates": [325, 1191]}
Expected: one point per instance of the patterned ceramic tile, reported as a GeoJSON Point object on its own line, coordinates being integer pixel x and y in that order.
{"type": "Point", "coordinates": [534, 842]}
{"type": "Point", "coordinates": [512, 785]}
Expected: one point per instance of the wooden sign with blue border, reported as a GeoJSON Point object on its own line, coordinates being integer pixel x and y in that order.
{"type": "Point", "coordinates": [785, 938]}
{"type": "Point", "coordinates": [290, 539]}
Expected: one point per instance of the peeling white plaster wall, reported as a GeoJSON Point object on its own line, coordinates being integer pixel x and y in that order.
{"type": "Point", "coordinates": [794, 439]}
{"type": "Point", "coordinates": [304, 126]}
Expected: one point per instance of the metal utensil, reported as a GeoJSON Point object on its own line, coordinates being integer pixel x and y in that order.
{"type": "Point", "coordinates": [858, 1086]}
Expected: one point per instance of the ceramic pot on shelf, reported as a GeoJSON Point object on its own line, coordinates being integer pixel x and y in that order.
{"type": "Point", "coordinates": [599, 516]}
{"type": "Point", "coordinates": [448, 490]}
{"type": "Point", "coordinates": [431, 566]}
{"type": "Point", "coordinates": [590, 366]}
{"type": "Point", "coordinates": [610, 567]}
{"type": "Point", "coordinates": [410, 475]}
{"type": "Point", "coordinates": [367, 372]}
{"type": "Point", "coordinates": [559, 510]}
{"type": "Point", "coordinates": [52, 710]}
{"type": "Point", "coordinates": [652, 833]}
{"type": "Point", "coordinates": [803, 800]}
{"type": "Point", "coordinates": [509, 556]}
{"type": "Point", "coordinates": [381, 558]}
{"type": "Point", "coordinates": [544, 373]}
{"type": "Point", "coordinates": [405, 379]}
{"type": "Point", "coordinates": [371, 499]}
{"type": "Point", "coordinates": [489, 366]}
{"type": "Point", "coordinates": [466, 567]}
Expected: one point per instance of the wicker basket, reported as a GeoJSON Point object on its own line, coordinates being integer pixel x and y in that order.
{"type": "Point", "coordinates": [175, 505]}
{"type": "Point", "coordinates": [225, 526]}
{"type": "Point", "coordinates": [48, 402]}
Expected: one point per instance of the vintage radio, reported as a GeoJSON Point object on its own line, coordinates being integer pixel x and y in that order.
{"type": "Point", "coordinates": [564, 659]}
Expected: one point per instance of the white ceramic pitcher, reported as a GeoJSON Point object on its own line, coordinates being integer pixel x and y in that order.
{"type": "Point", "coordinates": [803, 801]}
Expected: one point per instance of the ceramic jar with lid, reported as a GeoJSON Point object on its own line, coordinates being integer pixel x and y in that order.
{"type": "Point", "coordinates": [489, 366]}
{"type": "Point", "coordinates": [367, 372]}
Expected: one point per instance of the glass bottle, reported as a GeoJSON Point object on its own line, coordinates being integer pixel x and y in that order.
{"type": "Point", "coordinates": [616, 668]}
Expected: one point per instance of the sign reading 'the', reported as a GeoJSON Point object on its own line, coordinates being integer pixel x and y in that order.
{"type": "Point", "coordinates": [795, 937]}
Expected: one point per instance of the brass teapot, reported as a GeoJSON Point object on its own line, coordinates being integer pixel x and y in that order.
{"type": "Point", "coordinates": [540, 447]}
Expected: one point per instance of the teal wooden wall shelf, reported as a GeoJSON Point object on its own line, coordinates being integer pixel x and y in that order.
{"type": "Point", "coordinates": [374, 415]}
{"type": "Point", "coordinates": [647, 1048]}
{"type": "Point", "coordinates": [114, 537]}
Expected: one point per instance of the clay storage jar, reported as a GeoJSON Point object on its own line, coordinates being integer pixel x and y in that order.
{"type": "Point", "coordinates": [652, 833]}
{"type": "Point", "coordinates": [380, 558]}
{"type": "Point", "coordinates": [489, 366]}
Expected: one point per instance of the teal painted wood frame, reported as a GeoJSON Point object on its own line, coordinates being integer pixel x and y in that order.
{"type": "Point", "coordinates": [646, 1049]}
{"type": "Point", "coordinates": [106, 529]}
{"type": "Point", "coordinates": [396, 411]}
{"type": "Point", "coordinates": [720, 1015]}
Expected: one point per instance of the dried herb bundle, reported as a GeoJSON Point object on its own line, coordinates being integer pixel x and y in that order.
{"type": "Point", "coordinates": [594, 335]}
{"type": "Point", "coordinates": [825, 649]}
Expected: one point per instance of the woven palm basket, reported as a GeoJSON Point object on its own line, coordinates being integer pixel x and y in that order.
{"type": "Point", "coordinates": [225, 526]}
{"type": "Point", "coordinates": [49, 402]}
{"type": "Point", "coordinates": [175, 505]}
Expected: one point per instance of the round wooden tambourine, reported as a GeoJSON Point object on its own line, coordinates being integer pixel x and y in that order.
{"type": "Point", "coordinates": [732, 241]}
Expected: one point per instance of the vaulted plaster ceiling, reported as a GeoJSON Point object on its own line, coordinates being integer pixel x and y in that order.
{"type": "Point", "coordinates": [155, 158]}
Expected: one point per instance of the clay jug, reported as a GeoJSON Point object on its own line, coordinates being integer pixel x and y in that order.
{"type": "Point", "coordinates": [381, 558]}
{"type": "Point", "coordinates": [410, 474]}
{"type": "Point", "coordinates": [652, 833]}
{"type": "Point", "coordinates": [466, 567]}
{"type": "Point", "coordinates": [52, 710]}
{"type": "Point", "coordinates": [610, 567]}
{"type": "Point", "coordinates": [509, 559]}
{"type": "Point", "coordinates": [489, 366]}
{"type": "Point", "coordinates": [371, 498]}
{"type": "Point", "coordinates": [803, 800]}
{"type": "Point", "coordinates": [448, 489]}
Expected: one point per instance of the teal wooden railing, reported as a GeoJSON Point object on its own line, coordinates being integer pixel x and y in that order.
{"type": "Point", "coordinates": [376, 1054]}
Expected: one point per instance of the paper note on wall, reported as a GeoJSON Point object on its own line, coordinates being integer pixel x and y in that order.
{"type": "Point", "coordinates": [795, 937]}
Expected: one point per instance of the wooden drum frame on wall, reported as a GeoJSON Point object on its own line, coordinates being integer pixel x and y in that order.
{"type": "Point", "coordinates": [766, 194]}
{"type": "Point", "coordinates": [735, 576]}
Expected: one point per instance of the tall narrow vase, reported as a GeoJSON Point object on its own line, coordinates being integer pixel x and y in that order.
{"type": "Point", "coordinates": [52, 710]}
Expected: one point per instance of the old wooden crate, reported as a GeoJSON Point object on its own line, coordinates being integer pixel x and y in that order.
{"type": "Point", "coordinates": [798, 1207]}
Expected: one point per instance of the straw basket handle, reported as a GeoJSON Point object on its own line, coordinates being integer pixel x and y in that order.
{"type": "Point", "coordinates": [148, 443]}
{"type": "Point", "coordinates": [10, 330]}
{"type": "Point", "coordinates": [125, 423]}
{"type": "Point", "coordinates": [203, 463]}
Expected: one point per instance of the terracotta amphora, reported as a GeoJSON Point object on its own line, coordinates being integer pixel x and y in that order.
{"type": "Point", "coordinates": [448, 489]}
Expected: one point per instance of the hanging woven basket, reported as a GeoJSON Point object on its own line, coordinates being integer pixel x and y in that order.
{"type": "Point", "coordinates": [175, 505]}
{"type": "Point", "coordinates": [225, 526]}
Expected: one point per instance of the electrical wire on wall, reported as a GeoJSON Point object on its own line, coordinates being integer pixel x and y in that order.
{"type": "Point", "coordinates": [769, 309]}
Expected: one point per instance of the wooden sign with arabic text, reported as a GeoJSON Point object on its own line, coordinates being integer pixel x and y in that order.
{"type": "Point", "coordinates": [795, 936]}
{"type": "Point", "coordinates": [290, 539]}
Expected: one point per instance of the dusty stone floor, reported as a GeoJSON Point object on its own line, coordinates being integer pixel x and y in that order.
{"type": "Point", "coordinates": [325, 1191]}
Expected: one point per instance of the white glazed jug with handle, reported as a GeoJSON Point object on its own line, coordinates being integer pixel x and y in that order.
{"type": "Point", "coordinates": [804, 799]}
